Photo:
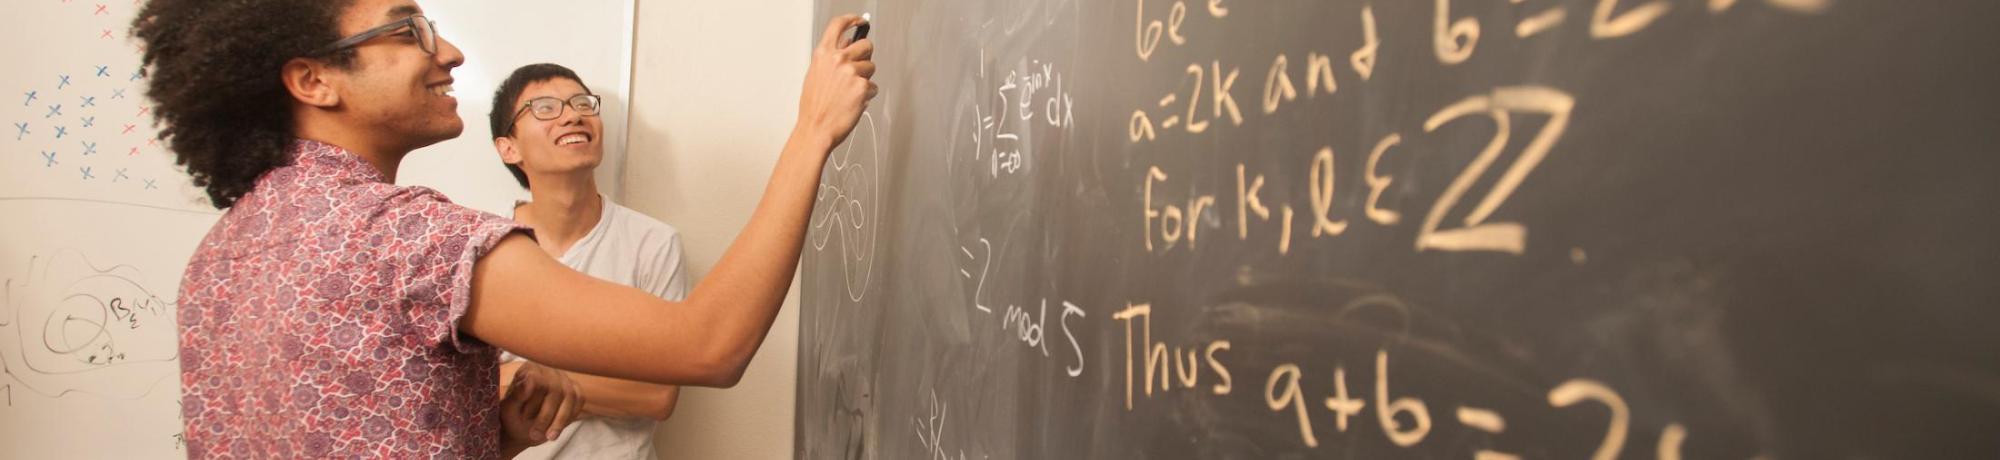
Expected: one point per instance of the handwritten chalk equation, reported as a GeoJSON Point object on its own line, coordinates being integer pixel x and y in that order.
{"type": "Point", "coordinates": [1156, 366]}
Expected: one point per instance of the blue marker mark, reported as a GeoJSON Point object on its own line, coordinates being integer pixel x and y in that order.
{"type": "Point", "coordinates": [137, 74]}
{"type": "Point", "coordinates": [64, 82]}
{"type": "Point", "coordinates": [89, 121]}
{"type": "Point", "coordinates": [51, 157]}
{"type": "Point", "coordinates": [149, 184]}
{"type": "Point", "coordinates": [104, 71]}
{"type": "Point", "coordinates": [89, 147]}
{"type": "Point", "coordinates": [31, 98]}
{"type": "Point", "coordinates": [89, 100]}
{"type": "Point", "coordinates": [86, 173]}
{"type": "Point", "coordinates": [61, 131]}
{"type": "Point", "coordinates": [118, 94]}
{"type": "Point", "coordinates": [21, 130]}
{"type": "Point", "coordinates": [121, 176]}
{"type": "Point", "coordinates": [53, 111]}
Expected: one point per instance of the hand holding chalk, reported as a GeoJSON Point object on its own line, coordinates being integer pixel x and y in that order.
{"type": "Point", "coordinates": [837, 87]}
{"type": "Point", "coordinates": [861, 31]}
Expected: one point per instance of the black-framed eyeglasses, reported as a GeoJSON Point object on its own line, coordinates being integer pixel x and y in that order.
{"type": "Point", "coordinates": [421, 28]}
{"type": "Point", "coordinates": [547, 108]}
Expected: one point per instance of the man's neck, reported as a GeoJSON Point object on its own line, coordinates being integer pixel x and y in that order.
{"type": "Point", "coordinates": [564, 210]}
{"type": "Point", "coordinates": [385, 158]}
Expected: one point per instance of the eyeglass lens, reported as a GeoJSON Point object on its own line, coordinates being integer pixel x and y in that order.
{"type": "Point", "coordinates": [548, 108]}
{"type": "Point", "coordinates": [426, 32]}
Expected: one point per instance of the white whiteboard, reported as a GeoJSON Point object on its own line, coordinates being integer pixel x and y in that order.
{"type": "Point", "coordinates": [98, 224]}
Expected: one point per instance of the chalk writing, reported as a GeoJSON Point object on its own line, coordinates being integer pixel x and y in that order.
{"type": "Point", "coordinates": [930, 430]}
{"type": "Point", "coordinates": [1185, 362]}
{"type": "Point", "coordinates": [846, 207]}
{"type": "Point", "coordinates": [1026, 100]}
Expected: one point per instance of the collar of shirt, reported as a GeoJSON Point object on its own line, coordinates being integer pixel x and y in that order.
{"type": "Point", "coordinates": [322, 160]}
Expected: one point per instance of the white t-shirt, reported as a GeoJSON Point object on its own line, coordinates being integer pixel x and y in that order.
{"type": "Point", "coordinates": [627, 248]}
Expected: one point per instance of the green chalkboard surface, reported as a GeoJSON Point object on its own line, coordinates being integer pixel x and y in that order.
{"type": "Point", "coordinates": [1470, 229]}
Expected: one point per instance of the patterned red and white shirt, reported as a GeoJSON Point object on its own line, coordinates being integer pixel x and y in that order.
{"type": "Point", "coordinates": [319, 318]}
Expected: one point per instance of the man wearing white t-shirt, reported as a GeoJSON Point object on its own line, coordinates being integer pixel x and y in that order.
{"type": "Point", "coordinates": [546, 129]}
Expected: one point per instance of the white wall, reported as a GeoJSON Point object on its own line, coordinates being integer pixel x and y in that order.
{"type": "Point", "coordinates": [715, 90]}
{"type": "Point", "coordinates": [466, 168]}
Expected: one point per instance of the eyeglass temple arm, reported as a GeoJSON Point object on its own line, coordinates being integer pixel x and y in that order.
{"type": "Point", "coordinates": [366, 35]}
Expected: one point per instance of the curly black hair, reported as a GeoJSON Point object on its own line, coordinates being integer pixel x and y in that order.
{"type": "Point", "coordinates": [213, 71]}
{"type": "Point", "coordinates": [505, 105]}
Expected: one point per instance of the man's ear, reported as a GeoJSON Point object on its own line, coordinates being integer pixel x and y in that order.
{"type": "Point", "coordinates": [310, 83]}
{"type": "Point", "coordinates": [508, 153]}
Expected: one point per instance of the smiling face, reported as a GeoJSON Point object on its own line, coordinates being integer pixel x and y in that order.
{"type": "Point", "coordinates": [571, 143]}
{"type": "Point", "coordinates": [395, 88]}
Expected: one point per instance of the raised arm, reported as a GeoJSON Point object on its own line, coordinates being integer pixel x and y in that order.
{"type": "Point", "coordinates": [527, 303]}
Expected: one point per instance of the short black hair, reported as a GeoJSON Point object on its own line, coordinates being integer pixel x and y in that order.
{"type": "Point", "coordinates": [506, 103]}
{"type": "Point", "coordinates": [215, 76]}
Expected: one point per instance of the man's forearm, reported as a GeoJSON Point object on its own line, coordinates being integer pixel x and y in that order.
{"type": "Point", "coordinates": [609, 397]}
{"type": "Point", "coordinates": [757, 270]}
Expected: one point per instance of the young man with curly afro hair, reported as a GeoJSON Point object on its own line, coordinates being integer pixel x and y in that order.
{"type": "Point", "coordinates": [331, 313]}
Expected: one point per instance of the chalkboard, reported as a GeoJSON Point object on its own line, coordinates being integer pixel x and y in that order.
{"type": "Point", "coordinates": [1480, 229]}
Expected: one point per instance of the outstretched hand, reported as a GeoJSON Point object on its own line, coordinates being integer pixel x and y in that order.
{"type": "Point", "coordinates": [837, 87]}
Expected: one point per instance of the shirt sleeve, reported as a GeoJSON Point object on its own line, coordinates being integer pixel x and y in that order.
{"type": "Point", "coordinates": [670, 279]}
{"type": "Point", "coordinates": [435, 247]}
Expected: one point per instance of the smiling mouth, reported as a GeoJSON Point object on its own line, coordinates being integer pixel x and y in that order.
{"type": "Point", "coordinates": [442, 90]}
{"type": "Point", "coordinates": [573, 138]}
